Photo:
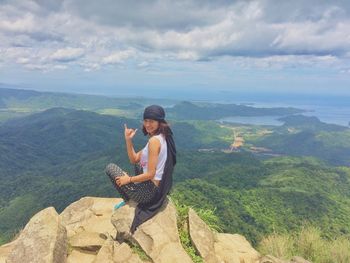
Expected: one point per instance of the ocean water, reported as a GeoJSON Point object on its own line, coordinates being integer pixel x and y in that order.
{"type": "Point", "coordinates": [261, 120]}
{"type": "Point", "coordinates": [327, 114]}
{"type": "Point", "coordinates": [328, 109]}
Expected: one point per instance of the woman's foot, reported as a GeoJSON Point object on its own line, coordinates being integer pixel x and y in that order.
{"type": "Point", "coordinates": [119, 205]}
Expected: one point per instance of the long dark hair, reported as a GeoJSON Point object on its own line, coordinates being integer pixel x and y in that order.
{"type": "Point", "coordinates": [164, 128]}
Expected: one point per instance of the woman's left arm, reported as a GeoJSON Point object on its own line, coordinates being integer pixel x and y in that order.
{"type": "Point", "coordinates": [153, 153]}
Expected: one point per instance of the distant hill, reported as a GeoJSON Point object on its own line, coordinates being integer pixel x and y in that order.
{"type": "Point", "coordinates": [6, 94]}
{"type": "Point", "coordinates": [213, 111]}
{"type": "Point", "coordinates": [309, 123]}
{"type": "Point", "coordinates": [16, 102]}
{"type": "Point", "coordinates": [308, 136]}
{"type": "Point", "coordinates": [20, 102]}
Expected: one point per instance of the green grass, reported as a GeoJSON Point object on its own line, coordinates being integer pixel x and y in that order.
{"type": "Point", "coordinates": [207, 215]}
{"type": "Point", "coordinates": [138, 251]}
{"type": "Point", "coordinates": [307, 243]}
{"type": "Point", "coordinates": [184, 235]}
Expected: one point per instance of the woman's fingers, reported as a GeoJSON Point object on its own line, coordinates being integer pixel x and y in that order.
{"type": "Point", "coordinates": [129, 131]}
{"type": "Point", "coordinates": [117, 180]}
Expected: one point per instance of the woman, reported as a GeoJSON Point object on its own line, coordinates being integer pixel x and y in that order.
{"type": "Point", "coordinates": [155, 164]}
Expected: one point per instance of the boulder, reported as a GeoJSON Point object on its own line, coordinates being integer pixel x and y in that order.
{"type": "Point", "coordinates": [113, 252]}
{"type": "Point", "coordinates": [122, 219]}
{"type": "Point", "coordinates": [297, 259]}
{"type": "Point", "coordinates": [5, 251]}
{"type": "Point", "coordinates": [158, 237]}
{"type": "Point", "coordinates": [44, 239]}
{"type": "Point", "coordinates": [271, 259]}
{"type": "Point", "coordinates": [91, 214]}
{"type": "Point", "coordinates": [202, 237]}
{"type": "Point", "coordinates": [77, 256]}
{"type": "Point", "coordinates": [219, 247]}
{"type": "Point", "coordinates": [105, 254]}
{"type": "Point", "coordinates": [90, 241]}
{"type": "Point", "coordinates": [234, 248]}
{"type": "Point", "coordinates": [123, 254]}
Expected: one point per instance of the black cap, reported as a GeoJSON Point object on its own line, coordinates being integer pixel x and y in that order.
{"type": "Point", "coordinates": [154, 112]}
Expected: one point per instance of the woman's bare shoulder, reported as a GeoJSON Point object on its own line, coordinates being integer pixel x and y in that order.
{"type": "Point", "coordinates": [154, 140]}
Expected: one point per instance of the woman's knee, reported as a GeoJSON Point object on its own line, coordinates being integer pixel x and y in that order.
{"type": "Point", "coordinates": [113, 170]}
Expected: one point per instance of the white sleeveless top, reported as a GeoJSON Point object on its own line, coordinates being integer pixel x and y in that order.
{"type": "Point", "coordinates": [161, 157]}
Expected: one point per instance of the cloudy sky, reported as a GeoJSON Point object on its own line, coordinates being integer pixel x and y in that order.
{"type": "Point", "coordinates": [124, 46]}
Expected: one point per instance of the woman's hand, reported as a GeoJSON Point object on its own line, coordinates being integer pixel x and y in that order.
{"type": "Point", "coordinates": [123, 180]}
{"type": "Point", "coordinates": [129, 133]}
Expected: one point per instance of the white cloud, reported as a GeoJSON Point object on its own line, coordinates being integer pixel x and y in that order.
{"type": "Point", "coordinates": [93, 34]}
{"type": "Point", "coordinates": [118, 57]}
{"type": "Point", "coordinates": [67, 54]}
{"type": "Point", "coordinates": [18, 25]}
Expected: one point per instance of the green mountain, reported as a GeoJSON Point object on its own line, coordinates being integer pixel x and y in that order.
{"type": "Point", "coordinates": [309, 123]}
{"type": "Point", "coordinates": [19, 102]}
{"type": "Point", "coordinates": [16, 102]}
{"type": "Point", "coordinates": [256, 198]}
{"type": "Point", "coordinates": [308, 136]}
{"type": "Point", "coordinates": [212, 111]}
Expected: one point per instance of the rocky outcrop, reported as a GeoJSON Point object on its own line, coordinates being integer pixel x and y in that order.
{"type": "Point", "coordinates": [272, 259]}
{"type": "Point", "coordinates": [44, 239]}
{"type": "Point", "coordinates": [235, 248]}
{"type": "Point", "coordinates": [88, 224]}
{"type": "Point", "coordinates": [297, 259]}
{"type": "Point", "coordinates": [89, 214]}
{"type": "Point", "coordinates": [88, 241]}
{"type": "Point", "coordinates": [123, 253]}
{"type": "Point", "coordinates": [88, 231]}
{"type": "Point", "coordinates": [5, 250]}
{"type": "Point", "coordinates": [218, 247]}
{"type": "Point", "coordinates": [202, 237]}
{"type": "Point", "coordinates": [158, 237]}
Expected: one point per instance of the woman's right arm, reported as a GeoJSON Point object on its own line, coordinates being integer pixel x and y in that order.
{"type": "Point", "coordinates": [133, 156]}
{"type": "Point", "coordinates": [129, 134]}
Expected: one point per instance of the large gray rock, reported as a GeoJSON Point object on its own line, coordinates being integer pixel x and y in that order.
{"type": "Point", "coordinates": [297, 259]}
{"type": "Point", "coordinates": [202, 237]}
{"type": "Point", "coordinates": [43, 240]}
{"type": "Point", "coordinates": [122, 219]}
{"type": "Point", "coordinates": [158, 237]}
{"type": "Point", "coordinates": [77, 256]}
{"type": "Point", "coordinates": [105, 254]}
{"type": "Point", "coordinates": [219, 247]}
{"type": "Point", "coordinates": [234, 248]}
{"type": "Point", "coordinates": [123, 254]}
{"type": "Point", "coordinates": [113, 252]}
{"type": "Point", "coordinates": [90, 241]}
{"type": "Point", "coordinates": [5, 250]}
{"type": "Point", "coordinates": [91, 214]}
{"type": "Point", "coordinates": [271, 259]}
